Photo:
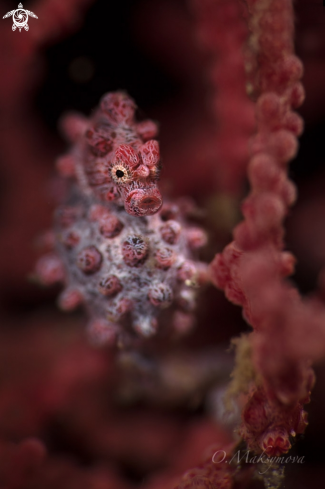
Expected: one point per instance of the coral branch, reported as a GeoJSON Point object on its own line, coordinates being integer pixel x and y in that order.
{"type": "Point", "coordinates": [252, 268]}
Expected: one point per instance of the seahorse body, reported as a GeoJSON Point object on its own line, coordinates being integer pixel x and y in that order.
{"type": "Point", "coordinates": [117, 249]}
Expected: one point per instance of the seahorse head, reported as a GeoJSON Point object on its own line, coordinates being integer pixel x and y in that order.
{"type": "Point", "coordinates": [135, 174]}
{"type": "Point", "coordinates": [123, 160]}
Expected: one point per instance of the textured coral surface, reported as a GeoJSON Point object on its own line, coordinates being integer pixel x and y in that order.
{"type": "Point", "coordinates": [252, 267]}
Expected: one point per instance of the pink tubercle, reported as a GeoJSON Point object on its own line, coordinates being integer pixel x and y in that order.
{"type": "Point", "coordinates": [160, 295]}
{"type": "Point", "coordinates": [70, 299]}
{"type": "Point", "coordinates": [134, 250]}
{"type": "Point", "coordinates": [89, 260]}
{"type": "Point", "coordinates": [110, 285]}
{"type": "Point", "coordinates": [49, 269]}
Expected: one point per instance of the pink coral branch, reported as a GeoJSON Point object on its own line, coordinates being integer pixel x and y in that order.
{"type": "Point", "coordinates": [252, 268]}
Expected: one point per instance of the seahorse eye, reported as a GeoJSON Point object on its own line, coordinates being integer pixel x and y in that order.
{"type": "Point", "coordinates": [121, 174]}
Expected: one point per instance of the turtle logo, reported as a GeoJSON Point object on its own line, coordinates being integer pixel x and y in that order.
{"type": "Point", "coordinates": [20, 18]}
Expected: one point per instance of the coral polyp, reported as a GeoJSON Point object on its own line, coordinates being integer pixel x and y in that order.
{"type": "Point", "coordinates": [118, 250]}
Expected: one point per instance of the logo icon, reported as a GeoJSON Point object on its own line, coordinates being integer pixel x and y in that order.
{"type": "Point", "coordinates": [20, 18]}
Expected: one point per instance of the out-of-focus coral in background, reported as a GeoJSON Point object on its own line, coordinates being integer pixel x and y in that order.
{"type": "Point", "coordinates": [72, 415]}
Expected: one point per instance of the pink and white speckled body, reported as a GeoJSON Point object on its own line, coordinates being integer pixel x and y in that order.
{"type": "Point", "coordinates": [117, 249]}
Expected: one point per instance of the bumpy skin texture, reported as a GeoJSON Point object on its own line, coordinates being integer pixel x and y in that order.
{"type": "Point", "coordinates": [116, 249]}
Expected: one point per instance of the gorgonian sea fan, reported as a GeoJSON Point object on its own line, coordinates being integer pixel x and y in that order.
{"type": "Point", "coordinates": [116, 248]}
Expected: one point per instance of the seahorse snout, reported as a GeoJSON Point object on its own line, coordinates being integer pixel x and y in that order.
{"type": "Point", "coordinates": [143, 202]}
